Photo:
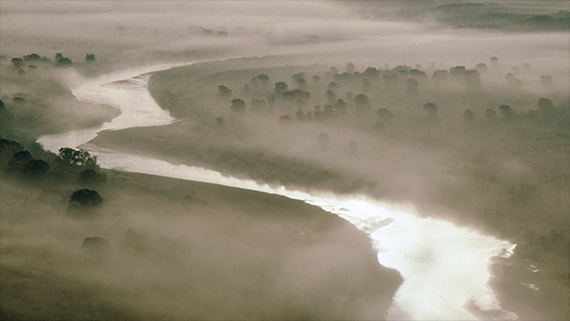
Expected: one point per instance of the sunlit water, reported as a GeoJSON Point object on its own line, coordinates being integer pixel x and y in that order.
{"type": "Point", "coordinates": [445, 267]}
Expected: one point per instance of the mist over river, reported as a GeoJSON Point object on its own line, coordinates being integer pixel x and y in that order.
{"type": "Point", "coordinates": [445, 267]}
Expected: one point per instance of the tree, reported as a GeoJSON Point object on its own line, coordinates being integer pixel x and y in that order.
{"type": "Point", "coordinates": [258, 103]}
{"type": "Point", "coordinates": [362, 102]}
{"type": "Point", "coordinates": [334, 86]}
{"type": "Point", "coordinates": [32, 57]}
{"type": "Point", "coordinates": [296, 95]}
{"type": "Point", "coordinates": [384, 114]}
{"type": "Point", "coordinates": [238, 105]}
{"type": "Point", "coordinates": [440, 75]}
{"type": "Point", "coordinates": [263, 78]}
{"type": "Point", "coordinates": [372, 73]}
{"type": "Point", "coordinates": [19, 160]}
{"type": "Point", "coordinates": [280, 87]}
{"type": "Point", "coordinates": [468, 115]}
{"type": "Point", "coordinates": [92, 177]}
{"type": "Point", "coordinates": [300, 79]}
{"type": "Point", "coordinates": [86, 198]}
{"type": "Point", "coordinates": [300, 115]}
{"type": "Point", "coordinates": [412, 86]}
{"type": "Point", "coordinates": [90, 57]}
{"type": "Point", "coordinates": [490, 114]}
{"type": "Point", "coordinates": [432, 110]}
{"type": "Point", "coordinates": [224, 91]}
{"type": "Point", "coordinates": [60, 60]}
{"type": "Point", "coordinates": [36, 168]}
{"type": "Point", "coordinates": [95, 244]}
{"type": "Point", "coordinates": [79, 157]}
{"type": "Point", "coordinates": [473, 78]}
{"type": "Point", "coordinates": [481, 67]}
{"type": "Point", "coordinates": [494, 61]}
{"type": "Point", "coordinates": [366, 85]}
{"type": "Point", "coordinates": [457, 71]}
{"type": "Point", "coordinates": [506, 111]}
{"type": "Point", "coordinates": [9, 147]}
{"type": "Point", "coordinates": [546, 106]}
{"type": "Point", "coordinates": [18, 62]}
{"type": "Point", "coordinates": [316, 79]}
{"type": "Point", "coordinates": [220, 121]}
{"type": "Point", "coordinates": [349, 68]}
{"type": "Point", "coordinates": [546, 81]}
{"type": "Point", "coordinates": [340, 107]}
{"type": "Point", "coordinates": [331, 96]}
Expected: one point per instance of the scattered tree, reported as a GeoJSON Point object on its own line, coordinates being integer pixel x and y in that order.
{"type": "Point", "coordinates": [60, 60]}
{"type": "Point", "coordinates": [362, 102]}
{"type": "Point", "coordinates": [432, 110]}
{"type": "Point", "coordinates": [546, 81]}
{"type": "Point", "coordinates": [90, 57]}
{"type": "Point", "coordinates": [481, 67]}
{"type": "Point", "coordinates": [18, 161]}
{"type": "Point", "coordinates": [224, 91]}
{"type": "Point", "coordinates": [95, 244]}
{"type": "Point", "coordinates": [86, 198]}
{"type": "Point", "coordinates": [468, 115]}
{"type": "Point", "coordinates": [18, 62]}
{"type": "Point", "coordinates": [263, 78]}
{"type": "Point", "coordinates": [280, 87]}
{"type": "Point", "coordinates": [546, 106]}
{"type": "Point", "coordinates": [79, 157]}
{"type": "Point", "coordinates": [36, 168]}
{"type": "Point", "coordinates": [506, 111]}
{"type": "Point", "coordinates": [92, 177]}
{"type": "Point", "coordinates": [412, 86]}
{"type": "Point", "coordinates": [238, 105]}
{"type": "Point", "coordinates": [384, 114]}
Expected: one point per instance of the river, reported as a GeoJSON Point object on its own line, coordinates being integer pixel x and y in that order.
{"type": "Point", "coordinates": [445, 267]}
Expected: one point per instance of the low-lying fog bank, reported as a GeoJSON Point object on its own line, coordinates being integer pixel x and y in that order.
{"type": "Point", "coordinates": [182, 250]}
{"type": "Point", "coordinates": [464, 114]}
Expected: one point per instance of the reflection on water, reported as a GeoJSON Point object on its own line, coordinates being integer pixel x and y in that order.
{"type": "Point", "coordinates": [445, 267]}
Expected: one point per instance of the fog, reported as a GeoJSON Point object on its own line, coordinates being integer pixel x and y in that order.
{"type": "Point", "coordinates": [468, 160]}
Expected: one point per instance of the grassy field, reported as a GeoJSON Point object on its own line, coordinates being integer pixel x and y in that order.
{"type": "Point", "coordinates": [183, 250]}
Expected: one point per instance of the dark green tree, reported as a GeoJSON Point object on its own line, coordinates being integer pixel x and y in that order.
{"type": "Point", "coordinates": [362, 102]}
{"type": "Point", "coordinates": [224, 91]}
{"type": "Point", "coordinates": [86, 198]}
{"type": "Point", "coordinates": [18, 62]}
{"type": "Point", "coordinates": [238, 105]}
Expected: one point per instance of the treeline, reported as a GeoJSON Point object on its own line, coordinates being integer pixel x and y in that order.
{"type": "Point", "coordinates": [336, 95]}
{"type": "Point", "coordinates": [30, 63]}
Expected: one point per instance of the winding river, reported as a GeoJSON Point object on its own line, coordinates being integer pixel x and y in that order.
{"type": "Point", "coordinates": [445, 267]}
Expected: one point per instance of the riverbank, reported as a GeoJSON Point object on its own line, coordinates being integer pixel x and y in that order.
{"type": "Point", "coordinates": [184, 250]}
{"type": "Point", "coordinates": [494, 177]}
